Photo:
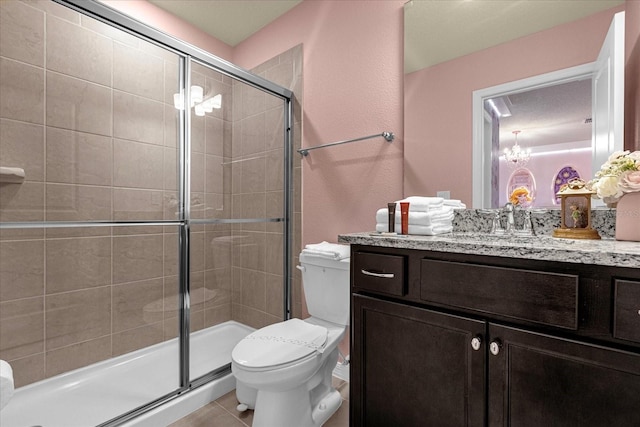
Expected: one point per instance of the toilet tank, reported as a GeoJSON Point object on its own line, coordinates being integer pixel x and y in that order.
{"type": "Point", "coordinates": [326, 287]}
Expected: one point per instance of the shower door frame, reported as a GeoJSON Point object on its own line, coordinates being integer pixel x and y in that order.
{"type": "Point", "coordinates": [188, 53]}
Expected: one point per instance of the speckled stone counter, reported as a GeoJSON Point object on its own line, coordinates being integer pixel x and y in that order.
{"type": "Point", "coordinates": [607, 252]}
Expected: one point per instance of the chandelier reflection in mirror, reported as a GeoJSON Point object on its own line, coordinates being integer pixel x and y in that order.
{"type": "Point", "coordinates": [516, 156]}
{"type": "Point", "coordinates": [199, 103]}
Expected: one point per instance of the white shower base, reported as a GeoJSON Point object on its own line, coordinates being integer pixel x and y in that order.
{"type": "Point", "coordinates": [94, 394]}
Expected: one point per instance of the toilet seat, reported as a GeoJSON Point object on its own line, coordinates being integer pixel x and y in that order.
{"type": "Point", "coordinates": [280, 344]}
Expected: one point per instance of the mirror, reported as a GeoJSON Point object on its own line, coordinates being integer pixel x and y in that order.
{"type": "Point", "coordinates": [495, 42]}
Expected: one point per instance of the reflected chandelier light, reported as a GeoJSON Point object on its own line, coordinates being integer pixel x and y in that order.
{"type": "Point", "coordinates": [515, 156]}
{"type": "Point", "coordinates": [198, 103]}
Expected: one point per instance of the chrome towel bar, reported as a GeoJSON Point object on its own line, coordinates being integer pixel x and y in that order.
{"type": "Point", "coordinates": [389, 136]}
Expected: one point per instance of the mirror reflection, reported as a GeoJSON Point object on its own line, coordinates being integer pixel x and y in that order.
{"type": "Point", "coordinates": [551, 119]}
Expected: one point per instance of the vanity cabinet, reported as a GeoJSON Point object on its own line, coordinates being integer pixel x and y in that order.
{"type": "Point", "coordinates": [444, 339]}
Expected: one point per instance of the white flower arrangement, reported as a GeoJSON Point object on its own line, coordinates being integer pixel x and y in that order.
{"type": "Point", "coordinates": [620, 174]}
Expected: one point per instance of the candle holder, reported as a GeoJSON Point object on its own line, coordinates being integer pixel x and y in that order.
{"type": "Point", "coordinates": [575, 208]}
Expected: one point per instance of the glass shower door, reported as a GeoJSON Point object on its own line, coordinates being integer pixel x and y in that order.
{"type": "Point", "coordinates": [88, 237]}
{"type": "Point", "coordinates": [237, 214]}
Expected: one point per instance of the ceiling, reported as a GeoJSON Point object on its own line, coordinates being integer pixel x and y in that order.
{"type": "Point", "coordinates": [231, 21]}
{"type": "Point", "coordinates": [437, 30]}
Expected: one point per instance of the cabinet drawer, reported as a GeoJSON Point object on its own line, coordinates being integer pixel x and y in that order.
{"type": "Point", "coordinates": [379, 273]}
{"type": "Point", "coordinates": [626, 324]}
{"type": "Point", "coordinates": [534, 296]}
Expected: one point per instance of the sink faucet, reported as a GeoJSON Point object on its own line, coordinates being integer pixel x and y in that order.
{"type": "Point", "coordinates": [508, 208]}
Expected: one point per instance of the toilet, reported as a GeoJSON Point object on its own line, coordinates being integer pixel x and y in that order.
{"type": "Point", "coordinates": [284, 371]}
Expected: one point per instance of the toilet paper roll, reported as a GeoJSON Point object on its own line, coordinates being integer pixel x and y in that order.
{"type": "Point", "coordinates": [6, 383]}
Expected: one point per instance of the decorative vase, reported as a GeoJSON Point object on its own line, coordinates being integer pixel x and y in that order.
{"type": "Point", "coordinates": [628, 217]}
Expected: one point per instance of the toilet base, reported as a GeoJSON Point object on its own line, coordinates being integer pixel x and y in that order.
{"type": "Point", "coordinates": [293, 408]}
{"type": "Point", "coordinates": [310, 404]}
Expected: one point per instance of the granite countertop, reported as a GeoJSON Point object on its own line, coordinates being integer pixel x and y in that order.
{"type": "Point", "coordinates": [607, 252]}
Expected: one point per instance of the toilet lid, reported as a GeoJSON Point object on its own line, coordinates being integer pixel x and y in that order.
{"type": "Point", "coordinates": [279, 344]}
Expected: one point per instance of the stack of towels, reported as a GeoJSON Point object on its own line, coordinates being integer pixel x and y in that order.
{"type": "Point", "coordinates": [428, 216]}
{"type": "Point", "coordinates": [328, 250]}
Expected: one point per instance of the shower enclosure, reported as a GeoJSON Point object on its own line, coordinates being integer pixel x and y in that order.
{"type": "Point", "coordinates": [154, 211]}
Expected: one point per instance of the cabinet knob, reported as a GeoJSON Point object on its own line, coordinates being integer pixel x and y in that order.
{"type": "Point", "coordinates": [495, 347]}
{"type": "Point", "coordinates": [475, 343]}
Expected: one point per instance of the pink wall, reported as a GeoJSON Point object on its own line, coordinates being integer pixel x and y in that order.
{"type": "Point", "coordinates": [438, 113]}
{"type": "Point", "coordinates": [353, 59]}
{"type": "Point", "coordinates": [162, 20]}
{"type": "Point", "coordinates": [352, 87]}
{"type": "Point", "coordinates": [632, 75]}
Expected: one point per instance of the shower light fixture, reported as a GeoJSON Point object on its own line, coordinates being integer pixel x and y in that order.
{"type": "Point", "coordinates": [198, 103]}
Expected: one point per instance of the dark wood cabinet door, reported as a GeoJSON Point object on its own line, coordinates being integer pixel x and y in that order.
{"type": "Point", "coordinates": [538, 380]}
{"type": "Point", "coordinates": [415, 367]}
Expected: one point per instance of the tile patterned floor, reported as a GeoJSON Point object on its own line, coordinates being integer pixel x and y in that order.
{"type": "Point", "coordinates": [222, 412]}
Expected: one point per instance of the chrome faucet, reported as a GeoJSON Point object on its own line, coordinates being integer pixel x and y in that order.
{"type": "Point", "coordinates": [508, 208]}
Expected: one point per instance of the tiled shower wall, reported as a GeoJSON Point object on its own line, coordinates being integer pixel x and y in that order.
{"type": "Point", "coordinates": [88, 113]}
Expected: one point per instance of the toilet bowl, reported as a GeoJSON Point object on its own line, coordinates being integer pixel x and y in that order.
{"type": "Point", "coordinates": [284, 371]}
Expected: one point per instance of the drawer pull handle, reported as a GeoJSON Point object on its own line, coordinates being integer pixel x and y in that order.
{"type": "Point", "coordinates": [475, 343]}
{"type": "Point", "coordinates": [381, 275]}
{"type": "Point", "coordinates": [495, 347]}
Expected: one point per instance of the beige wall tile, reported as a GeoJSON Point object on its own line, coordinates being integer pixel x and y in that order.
{"type": "Point", "coordinates": [217, 314]}
{"type": "Point", "coordinates": [73, 317]}
{"type": "Point", "coordinates": [197, 253]}
{"type": "Point", "coordinates": [171, 117]}
{"type": "Point", "coordinates": [170, 242]}
{"type": "Point", "coordinates": [78, 158]}
{"type": "Point", "coordinates": [21, 328]}
{"type": "Point", "coordinates": [274, 128]}
{"type": "Point", "coordinates": [170, 171]}
{"type": "Point", "coordinates": [78, 105]}
{"type": "Point", "coordinates": [219, 282]}
{"type": "Point", "coordinates": [254, 289]}
{"type": "Point", "coordinates": [67, 202]}
{"type": "Point", "coordinates": [274, 256]}
{"type": "Point", "coordinates": [253, 175]}
{"type": "Point", "coordinates": [214, 136]}
{"type": "Point", "coordinates": [28, 369]}
{"type": "Point", "coordinates": [22, 202]}
{"type": "Point", "coordinates": [197, 133]}
{"type": "Point", "coordinates": [253, 101]}
{"type": "Point", "coordinates": [77, 355]}
{"type": "Point", "coordinates": [137, 165]}
{"type": "Point", "coordinates": [137, 304]}
{"type": "Point", "coordinates": [137, 72]}
{"type": "Point", "coordinates": [55, 9]}
{"type": "Point", "coordinates": [22, 32]}
{"type": "Point", "coordinates": [78, 52]}
{"type": "Point", "coordinates": [78, 263]}
{"type": "Point", "coordinates": [218, 248]}
{"type": "Point", "coordinates": [275, 295]}
{"type": "Point", "coordinates": [252, 134]}
{"type": "Point", "coordinates": [22, 88]}
{"type": "Point", "coordinates": [137, 119]}
{"type": "Point", "coordinates": [132, 205]}
{"type": "Point", "coordinates": [214, 174]}
{"type": "Point", "coordinates": [137, 258]}
{"type": "Point", "coordinates": [197, 172]}
{"type": "Point", "coordinates": [21, 269]}
{"type": "Point", "coordinates": [108, 31]}
{"type": "Point", "coordinates": [135, 339]}
{"type": "Point", "coordinates": [22, 145]}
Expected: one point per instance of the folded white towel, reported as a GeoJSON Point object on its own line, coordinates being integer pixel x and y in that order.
{"type": "Point", "coordinates": [456, 204]}
{"type": "Point", "coordinates": [445, 213]}
{"type": "Point", "coordinates": [6, 383]}
{"type": "Point", "coordinates": [328, 250]}
{"type": "Point", "coordinates": [420, 230]}
{"type": "Point", "coordinates": [421, 204]}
